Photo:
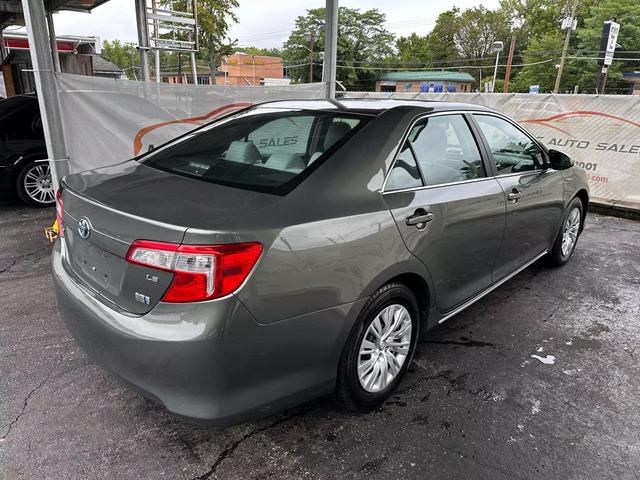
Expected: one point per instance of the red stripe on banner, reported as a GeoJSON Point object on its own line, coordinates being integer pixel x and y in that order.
{"type": "Point", "coordinates": [579, 113]}
{"type": "Point", "coordinates": [212, 115]}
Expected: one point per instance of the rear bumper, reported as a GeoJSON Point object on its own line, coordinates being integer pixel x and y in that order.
{"type": "Point", "coordinates": [209, 361]}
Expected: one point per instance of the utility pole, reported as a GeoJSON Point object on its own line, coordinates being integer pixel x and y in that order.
{"type": "Point", "coordinates": [507, 74]}
{"type": "Point", "coordinates": [567, 39]}
{"type": "Point", "coordinates": [312, 39]}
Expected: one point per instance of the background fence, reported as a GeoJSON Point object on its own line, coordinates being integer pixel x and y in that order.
{"type": "Point", "coordinates": [107, 121]}
{"type": "Point", "coordinates": [601, 133]}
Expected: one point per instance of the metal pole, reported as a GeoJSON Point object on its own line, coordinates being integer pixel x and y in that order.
{"type": "Point", "coordinates": [40, 49]}
{"type": "Point", "coordinates": [156, 65]}
{"type": "Point", "coordinates": [54, 43]}
{"type": "Point", "coordinates": [330, 48]}
{"type": "Point", "coordinates": [603, 79]}
{"type": "Point", "coordinates": [567, 39]}
{"type": "Point", "coordinates": [143, 37]}
{"type": "Point", "coordinates": [194, 71]}
{"type": "Point", "coordinates": [507, 74]}
{"type": "Point", "coordinates": [495, 73]}
{"type": "Point", "coordinates": [311, 42]}
{"type": "Point", "coordinates": [156, 52]}
{"type": "Point", "coordinates": [3, 50]}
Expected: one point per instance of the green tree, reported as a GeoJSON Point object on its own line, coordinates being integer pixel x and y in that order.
{"type": "Point", "coordinates": [124, 55]}
{"type": "Point", "coordinates": [477, 29]}
{"type": "Point", "coordinates": [537, 73]}
{"type": "Point", "coordinates": [626, 13]}
{"type": "Point", "coordinates": [438, 46]}
{"type": "Point", "coordinates": [414, 48]}
{"type": "Point", "coordinates": [214, 18]}
{"type": "Point", "coordinates": [269, 52]}
{"type": "Point", "coordinates": [362, 41]}
{"type": "Point", "coordinates": [442, 39]}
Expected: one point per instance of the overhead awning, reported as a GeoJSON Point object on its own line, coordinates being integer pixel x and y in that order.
{"type": "Point", "coordinates": [11, 10]}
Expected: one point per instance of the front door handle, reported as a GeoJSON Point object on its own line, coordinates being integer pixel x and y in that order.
{"type": "Point", "coordinates": [419, 219]}
{"type": "Point", "coordinates": [514, 196]}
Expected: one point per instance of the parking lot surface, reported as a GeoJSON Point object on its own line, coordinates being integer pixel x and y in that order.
{"type": "Point", "coordinates": [475, 404]}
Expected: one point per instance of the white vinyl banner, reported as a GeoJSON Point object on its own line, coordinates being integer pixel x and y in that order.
{"type": "Point", "coordinates": [108, 121]}
{"type": "Point", "coordinates": [601, 133]}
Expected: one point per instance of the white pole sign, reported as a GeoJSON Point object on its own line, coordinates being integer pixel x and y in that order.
{"type": "Point", "coordinates": [611, 43]}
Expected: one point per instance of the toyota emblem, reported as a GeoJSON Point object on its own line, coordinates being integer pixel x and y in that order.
{"type": "Point", "coordinates": [84, 227]}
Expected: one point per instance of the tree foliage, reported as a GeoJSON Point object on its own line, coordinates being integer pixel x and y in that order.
{"type": "Point", "coordinates": [461, 40]}
{"type": "Point", "coordinates": [362, 40]}
{"type": "Point", "coordinates": [214, 19]}
{"type": "Point", "coordinates": [124, 55]}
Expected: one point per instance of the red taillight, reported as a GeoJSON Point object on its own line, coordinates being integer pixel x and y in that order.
{"type": "Point", "coordinates": [59, 213]}
{"type": "Point", "coordinates": [200, 272]}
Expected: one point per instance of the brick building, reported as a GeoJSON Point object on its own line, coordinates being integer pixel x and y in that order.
{"type": "Point", "coordinates": [249, 70]}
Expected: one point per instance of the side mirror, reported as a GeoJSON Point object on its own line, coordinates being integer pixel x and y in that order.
{"type": "Point", "coordinates": [559, 160]}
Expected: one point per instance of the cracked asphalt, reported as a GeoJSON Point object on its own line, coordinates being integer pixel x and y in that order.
{"type": "Point", "coordinates": [474, 405]}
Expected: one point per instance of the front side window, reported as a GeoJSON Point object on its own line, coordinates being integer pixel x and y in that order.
{"type": "Point", "coordinates": [446, 150]}
{"type": "Point", "coordinates": [262, 149]}
{"type": "Point", "coordinates": [512, 150]}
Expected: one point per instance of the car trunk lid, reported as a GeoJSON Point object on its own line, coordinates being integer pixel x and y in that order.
{"type": "Point", "coordinates": [106, 210]}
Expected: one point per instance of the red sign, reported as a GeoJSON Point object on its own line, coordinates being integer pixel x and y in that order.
{"type": "Point", "coordinates": [23, 44]}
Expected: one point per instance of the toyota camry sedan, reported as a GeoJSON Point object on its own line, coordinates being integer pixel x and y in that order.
{"type": "Point", "coordinates": [296, 249]}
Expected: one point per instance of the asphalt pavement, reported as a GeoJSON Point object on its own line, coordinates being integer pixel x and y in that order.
{"type": "Point", "coordinates": [475, 404]}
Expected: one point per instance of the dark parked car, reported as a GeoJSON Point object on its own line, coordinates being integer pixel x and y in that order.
{"type": "Point", "coordinates": [24, 169]}
{"type": "Point", "coordinates": [296, 249]}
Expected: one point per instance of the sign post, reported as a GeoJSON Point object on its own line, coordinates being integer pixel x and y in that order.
{"type": "Point", "coordinates": [608, 42]}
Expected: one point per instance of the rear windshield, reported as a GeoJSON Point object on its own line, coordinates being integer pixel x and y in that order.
{"type": "Point", "coordinates": [262, 149]}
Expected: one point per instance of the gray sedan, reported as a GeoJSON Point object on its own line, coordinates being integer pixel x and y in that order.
{"type": "Point", "coordinates": [298, 249]}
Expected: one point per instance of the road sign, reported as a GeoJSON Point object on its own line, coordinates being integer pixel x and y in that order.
{"type": "Point", "coordinates": [608, 42]}
{"type": "Point", "coordinates": [534, 89]}
{"type": "Point", "coordinates": [173, 30]}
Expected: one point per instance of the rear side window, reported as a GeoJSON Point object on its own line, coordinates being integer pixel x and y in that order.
{"type": "Point", "coordinates": [446, 150]}
{"type": "Point", "coordinates": [260, 149]}
{"type": "Point", "coordinates": [438, 150]}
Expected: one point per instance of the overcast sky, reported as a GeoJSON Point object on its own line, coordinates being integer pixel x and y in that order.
{"type": "Point", "coordinates": [263, 23]}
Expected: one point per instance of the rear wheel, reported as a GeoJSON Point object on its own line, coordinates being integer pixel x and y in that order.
{"type": "Point", "coordinates": [568, 237]}
{"type": "Point", "coordinates": [35, 185]}
{"type": "Point", "coordinates": [379, 349]}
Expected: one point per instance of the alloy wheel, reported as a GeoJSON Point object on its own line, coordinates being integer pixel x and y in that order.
{"type": "Point", "coordinates": [570, 233]}
{"type": "Point", "coordinates": [384, 348]}
{"type": "Point", "coordinates": [38, 184]}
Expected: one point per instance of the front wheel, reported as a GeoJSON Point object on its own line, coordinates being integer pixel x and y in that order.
{"type": "Point", "coordinates": [567, 239]}
{"type": "Point", "coordinates": [35, 185]}
{"type": "Point", "coordinates": [379, 348]}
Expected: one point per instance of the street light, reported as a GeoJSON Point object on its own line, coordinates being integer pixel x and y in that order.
{"type": "Point", "coordinates": [496, 47]}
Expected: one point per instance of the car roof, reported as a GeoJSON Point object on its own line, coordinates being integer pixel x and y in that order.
{"type": "Point", "coordinates": [372, 106]}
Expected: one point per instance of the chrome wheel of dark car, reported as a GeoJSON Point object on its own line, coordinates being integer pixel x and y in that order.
{"type": "Point", "coordinates": [35, 185]}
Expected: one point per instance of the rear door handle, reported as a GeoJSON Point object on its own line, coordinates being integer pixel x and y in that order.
{"type": "Point", "coordinates": [514, 196]}
{"type": "Point", "coordinates": [419, 219]}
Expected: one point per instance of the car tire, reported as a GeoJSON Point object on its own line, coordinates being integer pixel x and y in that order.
{"type": "Point", "coordinates": [392, 311]}
{"type": "Point", "coordinates": [34, 185]}
{"type": "Point", "coordinates": [568, 235]}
